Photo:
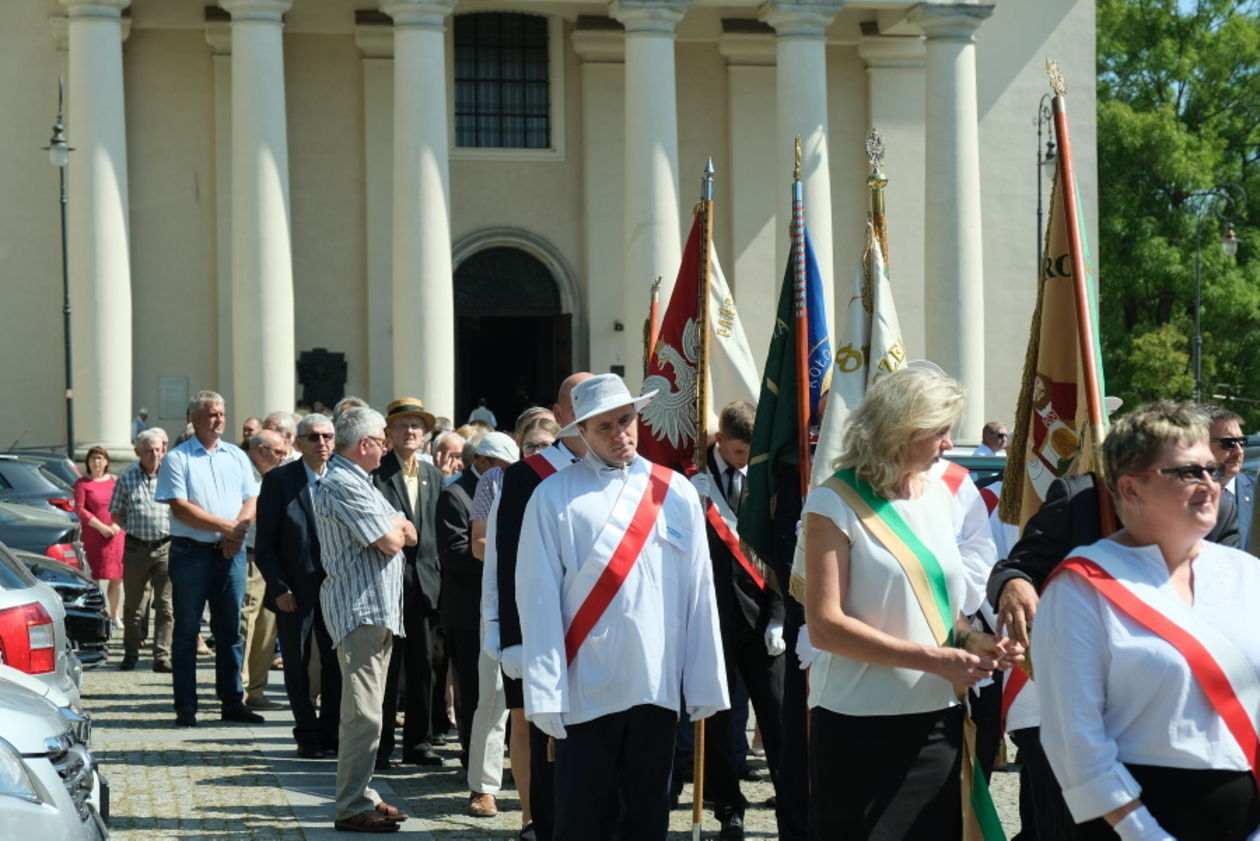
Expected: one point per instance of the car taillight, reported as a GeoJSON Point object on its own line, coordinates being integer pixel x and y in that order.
{"type": "Point", "coordinates": [27, 639]}
{"type": "Point", "coordinates": [65, 553]}
{"type": "Point", "coordinates": [61, 502]}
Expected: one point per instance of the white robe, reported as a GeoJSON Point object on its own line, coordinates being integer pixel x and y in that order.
{"type": "Point", "coordinates": [659, 633]}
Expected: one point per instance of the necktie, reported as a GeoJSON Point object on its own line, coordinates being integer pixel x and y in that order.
{"type": "Point", "coordinates": [733, 488]}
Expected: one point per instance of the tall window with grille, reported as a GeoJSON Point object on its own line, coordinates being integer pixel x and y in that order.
{"type": "Point", "coordinates": [502, 93]}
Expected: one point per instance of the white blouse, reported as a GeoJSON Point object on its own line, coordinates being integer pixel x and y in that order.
{"type": "Point", "coordinates": [1113, 692]}
{"type": "Point", "coordinates": [879, 594]}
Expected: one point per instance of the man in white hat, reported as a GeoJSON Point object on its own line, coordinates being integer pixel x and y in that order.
{"type": "Point", "coordinates": [139, 423]}
{"type": "Point", "coordinates": [615, 594]}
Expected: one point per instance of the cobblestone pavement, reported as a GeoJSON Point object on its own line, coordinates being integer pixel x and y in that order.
{"type": "Point", "coordinates": [244, 782]}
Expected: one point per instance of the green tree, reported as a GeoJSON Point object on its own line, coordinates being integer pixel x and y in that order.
{"type": "Point", "coordinates": [1178, 114]}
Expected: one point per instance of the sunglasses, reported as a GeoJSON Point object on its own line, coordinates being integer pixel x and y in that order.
{"type": "Point", "coordinates": [316, 437]}
{"type": "Point", "coordinates": [1189, 473]}
{"type": "Point", "coordinates": [1230, 443]}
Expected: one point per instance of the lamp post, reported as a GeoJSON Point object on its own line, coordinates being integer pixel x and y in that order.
{"type": "Point", "coordinates": [1222, 200]}
{"type": "Point", "coordinates": [1045, 116]}
{"type": "Point", "coordinates": [59, 153]}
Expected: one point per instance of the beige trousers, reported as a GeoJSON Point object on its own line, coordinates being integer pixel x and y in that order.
{"type": "Point", "coordinates": [364, 658]}
{"type": "Point", "coordinates": [258, 631]}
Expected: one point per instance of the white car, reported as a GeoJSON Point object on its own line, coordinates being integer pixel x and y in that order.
{"type": "Point", "coordinates": [33, 630]}
{"type": "Point", "coordinates": [50, 788]}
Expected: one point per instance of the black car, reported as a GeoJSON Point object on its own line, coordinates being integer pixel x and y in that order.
{"type": "Point", "coordinates": [87, 615]}
{"type": "Point", "coordinates": [29, 482]}
{"type": "Point", "coordinates": [55, 463]}
{"type": "Point", "coordinates": [42, 532]}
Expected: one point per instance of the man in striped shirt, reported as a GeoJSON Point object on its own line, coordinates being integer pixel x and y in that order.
{"type": "Point", "coordinates": [361, 541]}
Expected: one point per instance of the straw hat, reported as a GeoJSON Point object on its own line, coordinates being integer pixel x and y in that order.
{"type": "Point", "coordinates": [409, 407]}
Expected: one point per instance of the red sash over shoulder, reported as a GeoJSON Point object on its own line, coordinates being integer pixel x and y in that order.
{"type": "Point", "coordinates": [545, 462]}
{"type": "Point", "coordinates": [622, 561]}
{"type": "Point", "coordinates": [1211, 677]}
{"type": "Point", "coordinates": [727, 535]}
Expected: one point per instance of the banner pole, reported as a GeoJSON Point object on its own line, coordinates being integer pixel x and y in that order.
{"type": "Point", "coordinates": [801, 311]}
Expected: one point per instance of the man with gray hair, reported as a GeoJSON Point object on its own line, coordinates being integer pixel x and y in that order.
{"type": "Point", "coordinates": [361, 546]}
{"type": "Point", "coordinates": [211, 491]}
{"type": "Point", "coordinates": [258, 626]}
{"type": "Point", "coordinates": [285, 425]}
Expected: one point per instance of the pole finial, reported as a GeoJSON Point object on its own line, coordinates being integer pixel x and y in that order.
{"type": "Point", "coordinates": [875, 150]}
{"type": "Point", "coordinates": [1057, 84]}
{"type": "Point", "coordinates": [796, 159]}
{"type": "Point", "coordinates": [706, 182]}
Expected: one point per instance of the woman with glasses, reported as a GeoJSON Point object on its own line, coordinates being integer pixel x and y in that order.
{"type": "Point", "coordinates": [1147, 652]}
{"type": "Point", "coordinates": [102, 537]}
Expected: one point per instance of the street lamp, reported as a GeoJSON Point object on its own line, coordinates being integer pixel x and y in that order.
{"type": "Point", "coordinates": [1222, 200]}
{"type": "Point", "coordinates": [59, 153]}
{"type": "Point", "coordinates": [1045, 116]}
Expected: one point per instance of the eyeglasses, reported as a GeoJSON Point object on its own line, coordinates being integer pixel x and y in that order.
{"type": "Point", "coordinates": [534, 447]}
{"type": "Point", "coordinates": [380, 442]}
{"type": "Point", "coordinates": [1230, 443]}
{"type": "Point", "coordinates": [1000, 435]}
{"type": "Point", "coordinates": [1189, 473]}
{"type": "Point", "coordinates": [316, 437]}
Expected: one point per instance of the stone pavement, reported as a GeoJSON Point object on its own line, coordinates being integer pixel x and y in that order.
{"type": "Point", "coordinates": [235, 781]}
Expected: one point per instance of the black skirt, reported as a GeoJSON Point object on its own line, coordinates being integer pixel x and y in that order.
{"type": "Point", "coordinates": [885, 777]}
{"type": "Point", "coordinates": [1191, 805]}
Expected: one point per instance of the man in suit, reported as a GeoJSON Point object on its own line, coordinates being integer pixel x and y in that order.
{"type": "Point", "coordinates": [412, 485]}
{"type": "Point", "coordinates": [286, 552]}
{"type": "Point", "coordinates": [750, 614]}
{"type": "Point", "coordinates": [1229, 446]}
{"type": "Point", "coordinates": [461, 571]}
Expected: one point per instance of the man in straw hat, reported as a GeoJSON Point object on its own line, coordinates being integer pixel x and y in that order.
{"type": "Point", "coordinates": [615, 594]}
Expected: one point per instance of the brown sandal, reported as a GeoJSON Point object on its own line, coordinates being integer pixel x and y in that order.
{"type": "Point", "coordinates": [391, 812]}
{"type": "Point", "coordinates": [369, 821]}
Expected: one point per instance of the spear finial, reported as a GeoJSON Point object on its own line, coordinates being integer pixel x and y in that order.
{"type": "Point", "coordinates": [706, 182]}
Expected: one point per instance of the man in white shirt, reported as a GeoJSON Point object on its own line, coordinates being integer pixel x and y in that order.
{"type": "Point", "coordinates": [616, 601]}
{"type": "Point", "coordinates": [992, 439]}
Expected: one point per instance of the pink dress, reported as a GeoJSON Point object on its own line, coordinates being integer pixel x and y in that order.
{"type": "Point", "coordinates": [104, 556]}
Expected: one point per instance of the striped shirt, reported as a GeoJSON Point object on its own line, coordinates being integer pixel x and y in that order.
{"type": "Point", "coordinates": [133, 502]}
{"type": "Point", "coordinates": [488, 486]}
{"type": "Point", "coordinates": [364, 585]}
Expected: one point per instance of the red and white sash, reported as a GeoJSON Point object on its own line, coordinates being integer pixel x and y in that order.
{"type": "Point", "coordinates": [616, 550]}
{"type": "Point", "coordinates": [717, 511]}
{"type": "Point", "coordinates": [548, 461]}
{"type": "Point", "coordinates": [1221, 670]}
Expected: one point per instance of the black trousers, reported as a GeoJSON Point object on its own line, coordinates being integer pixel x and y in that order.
{"type": "Point", "coordinates": [413, 653]}
{"type": "Point", "coordinates": [626, 755]}
{"type": "Point", "coordinates": [762, 675]}
{"type": "Point", "coordinates": [1046, 817]}
{"type": "Point", "coordinates": [302, 635]}
{"type": "Point", "coordinates": [1191, 805]}
{"type": "Point", "coordinates": [886, 777]}
{"type": "Point", "coordinates": [463, 646]}
{"type": "Point", "coordinates": [792, 780]}
{"type": "Point", "coordinates": [542, 785]}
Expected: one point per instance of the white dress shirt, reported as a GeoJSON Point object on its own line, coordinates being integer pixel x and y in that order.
{"type": "Point", "coordinates": [1113, 692]}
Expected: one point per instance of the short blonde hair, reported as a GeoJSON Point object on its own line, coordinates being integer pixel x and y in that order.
{"type": "Point", "coordinates": [899, 408]}
{"type": "Point", "coordinates": [1135, 441]}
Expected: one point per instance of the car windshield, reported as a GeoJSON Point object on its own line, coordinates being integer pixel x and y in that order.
{"type": "Point", "coordinates": [55, 479]}
{"type": "Point", "coordinates": [13, 573]}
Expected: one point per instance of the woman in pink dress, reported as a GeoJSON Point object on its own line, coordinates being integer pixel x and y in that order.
{"type": "Point", "coordinates": [102, 540]}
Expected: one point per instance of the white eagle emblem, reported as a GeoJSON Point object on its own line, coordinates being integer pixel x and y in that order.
{"type": "Point", "coordinates": [672, 413]}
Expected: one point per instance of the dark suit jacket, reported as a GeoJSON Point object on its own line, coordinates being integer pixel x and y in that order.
{"type": "Point", "coordinates": [1069, 518]}
{"type": "Point", "coordinates": [461, 571]}
{"type": "Point", "coordinates": [286, 547]}
{"type": "Point", "coordinates": [1245, 498]}
{"type": "Point", "coordinates": [422, 578]}
{"type": "Point", "coordinates": [741, 603]}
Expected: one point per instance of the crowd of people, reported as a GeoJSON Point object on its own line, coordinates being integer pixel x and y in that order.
{"type": "Point", "coordinates": [590, 606]}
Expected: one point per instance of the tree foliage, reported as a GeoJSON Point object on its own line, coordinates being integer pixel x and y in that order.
{"type": "Point", "coordinates": [1178, 117]}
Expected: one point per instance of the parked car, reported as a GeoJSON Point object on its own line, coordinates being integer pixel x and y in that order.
{"type": "Point", "coordinates": [42, 532]}
{"type": "Point", "coordinates": [33, 629]}
{"type": "Point", "coordinates": [27, 481]}
{"type": "Point", "coordinates": [50, 787]}
{"type": "Point", "coordinates": [985, 470]}
{"type": "Point", "coordinates": [87, 616]}
{"type": "Point", "coordinates": [55, 463]}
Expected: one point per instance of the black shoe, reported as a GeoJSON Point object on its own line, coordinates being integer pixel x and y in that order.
{"type": "Point", "coordinates": [186, 717]}
{"type": "Point", "coordinates": [732, 828]}
{"type": "Point", "coordinates": [241, 714]}
{"type": "Point", "coordinates": [162, 667]}
{"type": "Point", "coordinates": [129, 662]}
{"type": "Point", "coordinates": [439, 739]}
{"type": "Point", "coordinates": [383, 763]}
{"type": "Point", "coordinates": [423, 755]}
{"type": "Point", "coordinates": [528, 834]}
{"type": "Point", "coordinates": [310, 750]}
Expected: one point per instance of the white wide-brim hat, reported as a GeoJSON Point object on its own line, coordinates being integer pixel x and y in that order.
{"type": "Point", "coordinates": [598, 394]}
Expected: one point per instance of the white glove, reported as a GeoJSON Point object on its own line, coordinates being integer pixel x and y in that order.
{"type": "Point", "coordinates": [490, 638]}
{"type": "Point", "coordinates": [1140, 825]}
{"type": "Point", "coordinates": [701, 483]}
{"type": "Point", "coordinates": [550, 723]}
{"type": "Point", "coordinates": [805, 651]}
{"type": "Point", "coordinates": [774, 639]}
{"type": "Point", "coordinates": [510, 660]}
{"type": "Point", "coordinates": [697, 713]}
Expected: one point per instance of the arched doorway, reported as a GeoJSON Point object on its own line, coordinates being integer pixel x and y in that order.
{"type": "Point", "coordinates": [513, 338]}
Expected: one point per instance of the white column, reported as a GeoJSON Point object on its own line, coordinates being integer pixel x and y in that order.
{"type": "Point", "coordinates": [758, 193]}
{"type": "Point", "coordinates": [263, 346]}
{"type": "Point", "coordinates": [954, 264]}
{"type": "Point", "coordinates": [896, 100]}
{"type": "Point", "coordinates": [653, 235]}
{"type": "Point", "coordinates": [219, 37]}
{"type": "Point", "coordinates": [424, 297]}
{"type": "Point", "coordinates": [801, 87]}
{"type": "Point", "coordinates": [602, 52]}
{"type": "Point", "coordinates": [97, 224]}
{"type": "Point", "coordinates": [377, 44]}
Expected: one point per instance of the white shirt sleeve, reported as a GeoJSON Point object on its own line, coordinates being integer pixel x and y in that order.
{"type": "Point", "coordinates": [704, 672]}
{"type": "Point", "coordinates": [539, 590]}
{"type": "Point", "coordinates": [975, 544]}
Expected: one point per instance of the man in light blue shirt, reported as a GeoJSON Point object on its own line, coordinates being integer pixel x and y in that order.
{"type": "Point", "coordinates": [211, 489]}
